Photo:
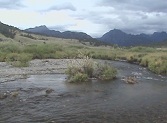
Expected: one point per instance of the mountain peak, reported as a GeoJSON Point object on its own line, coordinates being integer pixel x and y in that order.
{"type": "Point", "coordinates": [37, 29]}
{"type": "Point", "coordinates": [116, 32]}
{"type": "Point", "coordinates": [42, 27]}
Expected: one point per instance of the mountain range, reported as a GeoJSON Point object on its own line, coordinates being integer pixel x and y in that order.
{"type": "Point", "coordinates": [67, 34]}
{"type": "Point", "coordinates": [121, 38]}
{"type": "Point", "coordinates": [113, 37]}
{"type": "Point", "coordinates": [81, 36]}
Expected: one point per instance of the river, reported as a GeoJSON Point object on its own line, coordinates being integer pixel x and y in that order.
{"type": "Point", "coordinates": [91, 102]}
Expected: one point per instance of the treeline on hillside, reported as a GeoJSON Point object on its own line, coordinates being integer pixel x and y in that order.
{"type": "Point", "coordinates": [28, 36]}
{"type": "Point", "coordinates": [94, 42]}
{"type": "Point", "coordinates": [32, 37]}
{"type": "Point", "coordinates": [8, 31]}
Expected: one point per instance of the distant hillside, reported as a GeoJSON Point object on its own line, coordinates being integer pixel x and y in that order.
{"type": "Point", "coordinates": [81, 36]}
{"type": "Point", "coordinates": [160, 44]}
{"type": "Point", "coordinates": [123, 39]}
{"type": "Point", "coordinates": [44, 31]}
{"type": "Point", "coordinates": [67, 34]}
{"type": "Point", "coordinates": [8, 31]}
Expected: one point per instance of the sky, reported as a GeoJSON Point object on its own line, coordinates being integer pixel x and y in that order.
{"type": "Point", "coordinates": [94, 17]}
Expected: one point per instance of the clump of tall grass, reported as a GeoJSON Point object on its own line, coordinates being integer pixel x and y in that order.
{"type": "Point", "coordinates": [105, 72]}
{"type": "Point", "coordinates": [81, 70]}
{"type": "Point", "coordinates": [156, 64]}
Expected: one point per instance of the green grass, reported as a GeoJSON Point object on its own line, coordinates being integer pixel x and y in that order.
{"type": "Point", "coordinates": [106, 72]}
{"type": "Point", "coordinates": [19, 60]}
{"type": "Point", "coordinates": [26, 49]}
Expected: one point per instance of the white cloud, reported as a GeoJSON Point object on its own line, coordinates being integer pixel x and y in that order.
{"type": "Point", "coordinates": [65, 6]}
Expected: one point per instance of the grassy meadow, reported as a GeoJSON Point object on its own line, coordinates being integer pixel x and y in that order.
{"type": "Point", "coordinates": [23, 48]}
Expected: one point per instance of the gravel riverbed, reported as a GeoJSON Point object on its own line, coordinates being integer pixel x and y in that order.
{"type": "Point", "coordinates": [44, 66]}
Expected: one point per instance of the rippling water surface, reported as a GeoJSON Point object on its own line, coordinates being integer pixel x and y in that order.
{"type": "Point", "coordinates": [92, 102]}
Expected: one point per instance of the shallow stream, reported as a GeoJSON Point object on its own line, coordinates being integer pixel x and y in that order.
{"type": "Point", "coordinates": [91, 102]}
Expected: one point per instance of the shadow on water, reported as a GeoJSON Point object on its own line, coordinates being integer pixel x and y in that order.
{"type": "Point", "coordinates": [91, 102]}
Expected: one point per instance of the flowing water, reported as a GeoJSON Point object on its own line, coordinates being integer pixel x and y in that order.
{"type": "Point", "coordinates": [91, 102]}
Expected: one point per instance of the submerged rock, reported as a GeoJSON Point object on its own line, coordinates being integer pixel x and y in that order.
{"type": "Point", "coordinates": [48, 91]}
{"type": "Point", "coordinates": [14, 94]}
{"type": "Point", "coordinates": [3, 96]}
{"type": "Point", "coordinates": [130, 79]}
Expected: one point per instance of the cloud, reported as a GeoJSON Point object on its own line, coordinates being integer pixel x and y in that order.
{"type": "Point", "coordinates": [11, 4]}
{"type": "Point", "coordinates": [61, 28]}
{"type": "Point", "coordinates": [65, 6]}
{"type": "Point", "coordinates": [131, 16]}
{"type": "Point", "coordinates": [137, 5]}
{"type": "Point", "coordinates": [94, 17]}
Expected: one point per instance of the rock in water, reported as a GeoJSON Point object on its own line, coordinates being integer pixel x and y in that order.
{"type": "Point", "coordinates": [3, 96]}
{"type": "Point", "coordinates": [14, 94]}
{"type": "Point", "coordinates": [130, 79]}
{"type": "Point", "coordinates": [48, 91]}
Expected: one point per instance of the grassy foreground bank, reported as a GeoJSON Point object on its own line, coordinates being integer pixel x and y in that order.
{"type": "Point", "coordinates": [19, 54]}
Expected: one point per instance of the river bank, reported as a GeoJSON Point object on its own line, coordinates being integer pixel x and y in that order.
{"type": "Point", "coordinates": [44, 66]}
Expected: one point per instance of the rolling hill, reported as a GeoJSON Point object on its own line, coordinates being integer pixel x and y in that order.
{"type": "Point", "coordinates": [8, 31]}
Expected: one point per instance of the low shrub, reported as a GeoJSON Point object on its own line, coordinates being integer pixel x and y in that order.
{"type": "Point", "coordinates": [19, 60]}
{"type": "Point", "coordinates": [10, 47]}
